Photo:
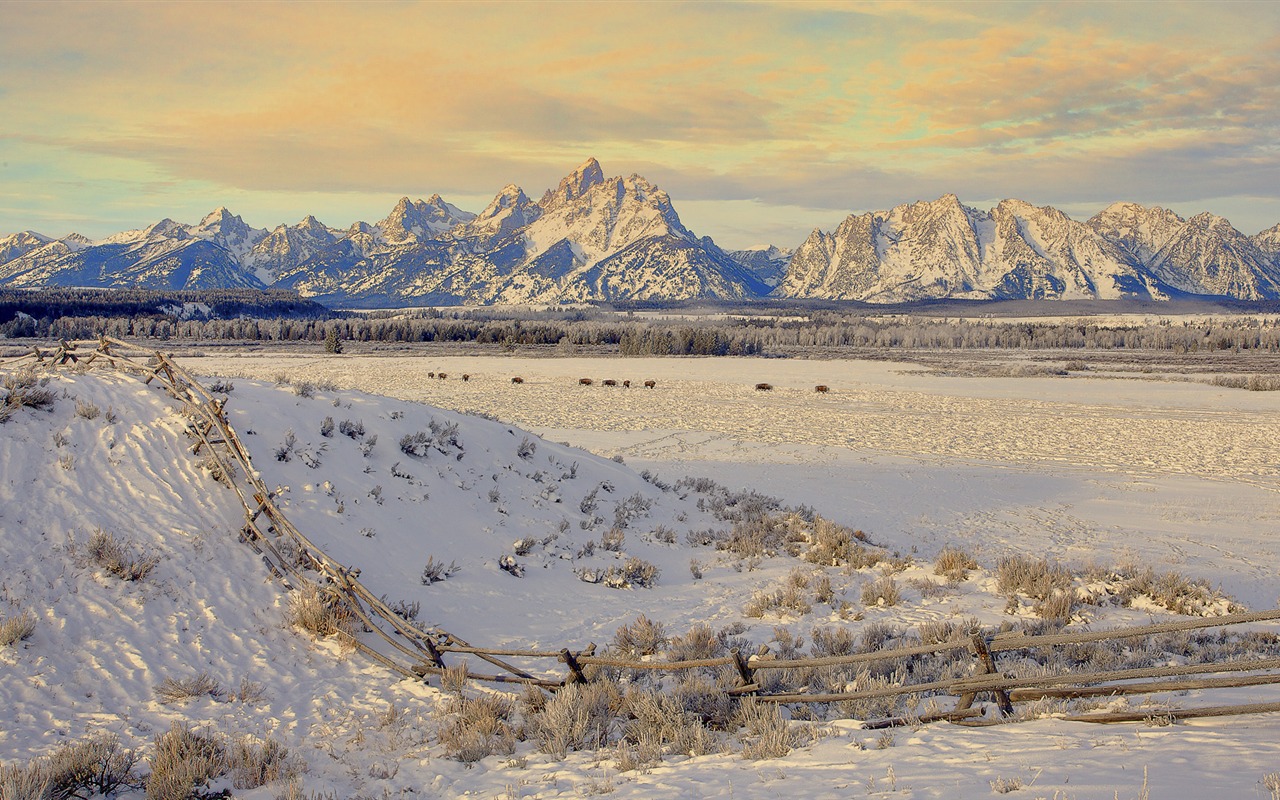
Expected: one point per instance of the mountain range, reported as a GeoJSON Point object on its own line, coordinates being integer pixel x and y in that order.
{"type": "Point", "coordinates": [598, 239]}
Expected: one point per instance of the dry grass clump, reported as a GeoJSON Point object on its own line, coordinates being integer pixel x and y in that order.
{"type": "Point", "coordinates": [183, 762]}
{"type": "Point", "coordinates": [24, 781]}
{"type": "Point", "coordinates": [764, 733]}
{"type": "Point", "coordinates": [16, 629]}
{"type": "Point", "coordinates": [700, 642]}
{"type": "Point", "coordinates": [320, 613]}
{"type": "Point", "coordinates": [661, 723]}
{"type": "Point", "coordinates": [1170, 591]}
{"type": "Point", "coordinates": [1254, 383]}
{"type": "Point", "coordinates": [95, 766]}
{"type": "Point", "coordinates": [834, 545]}
{"type": "Point", "coordinates": [176, 691]}
{"type": "Point", "coordinates": [578, 717]}
{"type": "Point", "coordinates": [24, 389]}
{"type": "Point", "coordinates": [255, 763]}
{"type": "Point", "coordinates": [954, 564]}
{"type": "Point", "coordinates": [117, 557]}
{"type": "Point", "coordinates": [477, 727]}
{"type": "Point", "coordinates": [643, 637]}
{"type": "Point", "coordinates": [881, 592]}
{"type": "Point", "coordinates": [1037, 578]}
{"type": "Point", "coordinates": [792, 598]}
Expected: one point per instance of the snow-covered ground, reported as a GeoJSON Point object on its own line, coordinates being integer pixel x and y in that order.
{"type": "Point", "coordinates": [1176, 475]}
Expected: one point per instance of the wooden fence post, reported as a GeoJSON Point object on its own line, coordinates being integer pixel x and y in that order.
{"type": "Point", "coordinates": [978, 646]}
{"type": "Point", "coordinates": [575, 669]}
{"type": "Point", "coordinates": [746, 676]}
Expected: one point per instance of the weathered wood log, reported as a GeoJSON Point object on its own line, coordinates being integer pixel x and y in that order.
{"type": "Point", "coordinates": [940, 716]}
{"type": "Point", "coordinates": [1145, 687]}
{"type": "Point", "coordinates": [1175, 713]}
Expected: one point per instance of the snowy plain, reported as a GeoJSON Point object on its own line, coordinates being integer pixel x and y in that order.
{"type": "Point", "coordinates": [1084, 468]}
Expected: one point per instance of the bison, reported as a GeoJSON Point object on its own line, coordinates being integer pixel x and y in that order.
{"type": "Point", "coordinates": [609, 382]}
{"type": "Point", "coordinates": [763, 387]}
{"type": "Point", "coordinates": [442, 376]}
{"type": "Point", "coordinates": [517, 379]}
{"type": "Point", "coordinates": [650, 384]}
{"type": "Point", "coordinates": [626, 384]}
{"type": "Point", "coordinates": [820, 389]}
{"type": "Point", "coordinates": [466, 377]}
{"type": "Point", "coordinates": [431, 374]}
{"type": "Point", "coordinates": [585, 381]}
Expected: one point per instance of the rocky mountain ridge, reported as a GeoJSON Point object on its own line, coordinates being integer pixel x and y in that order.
{"type": "Point", "coordinates": [598, 239]}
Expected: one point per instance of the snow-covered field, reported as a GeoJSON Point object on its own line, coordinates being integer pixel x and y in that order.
{"type": "Point", "coordinates": [1107, 471]}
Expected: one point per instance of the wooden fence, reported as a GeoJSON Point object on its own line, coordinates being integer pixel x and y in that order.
{"type": "Point", "coordinates": [417, 653]}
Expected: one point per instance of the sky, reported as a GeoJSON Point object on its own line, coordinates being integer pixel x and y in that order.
{"type": "Point", "coordinates": [762, 121]}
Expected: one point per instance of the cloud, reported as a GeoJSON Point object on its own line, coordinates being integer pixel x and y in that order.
{"type": "Point", "coordinates": [796, 105]}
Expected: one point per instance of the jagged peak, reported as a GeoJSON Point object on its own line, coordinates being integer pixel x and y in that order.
{"type": "Point", "coordinates": [510, 196]}
{"type": "Point", "coordinates": [582, 180]}
{"type": "Point", "coordinates": [221, 214]}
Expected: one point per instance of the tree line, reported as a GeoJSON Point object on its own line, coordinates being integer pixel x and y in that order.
{"type": "Point", "coordinates": [284, 317]}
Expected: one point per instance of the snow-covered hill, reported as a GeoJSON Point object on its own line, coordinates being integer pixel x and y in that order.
{"type": "Point", "coordinates": [393, 487]}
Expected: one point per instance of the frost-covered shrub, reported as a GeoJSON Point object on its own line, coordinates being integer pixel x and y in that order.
{"type": "Point", "coordinates": [764, 733]}
{"type": "Point", "coordinates": [526, 448]}
{"type": "Point", "coordinates": [352, 430]}
{"type": "Point", "coordinates": [659, 722]}
{"type": "Point", "coordinates": [117, 557]}
{"type": "Point", "coordinates": [87, 410]}
{"type": "Point", "coordinates": [698, 643]}
{"type": "Point", "coordinates": [221, 387]}
{"type": "Point", "coordinates": [16, 629]}
{"type": "Point", "coordinates": [883, 591]}
{"type": "Point", "coordinates": [98, 765]}
{"type": "Point", "coordinates": [578, 717]}
{"type": "Point", "coordinates": [642, 637]}
{"type": "Point", "coordinates": [326, 426]}
{"type": "Point", "coordinates": [1034, 577]}
{"type": "Point", "coordinates": [255, 763]}
{"type": "Point", "coordinates": [436, 571]}
{"type": "Point", "coordinates": [173, 690]}
{"type": "Point", "coordinates": [954, 564]}
{"type": "Point", "coordinates": [183, 762]}
{"type": "Point", "coordinates": [835, 545]}
{"type": "Point", "coordinates": [631, 508]}
{"type": "Point", "coordinates": [285, 451]}
{"type": "Point", "coordinates": [612, 540]}
{"type": "Point", "coordinates": [477, 727]}
{"type": "Point", "coordinates": [22, 388]}
{"type": "Point", "coordinates": [318, 613]}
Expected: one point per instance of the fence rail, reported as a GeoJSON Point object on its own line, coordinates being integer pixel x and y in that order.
{"type": "Point", "coordinates": [412, 652]}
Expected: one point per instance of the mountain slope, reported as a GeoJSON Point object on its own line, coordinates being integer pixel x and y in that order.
{"type": "Point", "coordinates": [943, 249]}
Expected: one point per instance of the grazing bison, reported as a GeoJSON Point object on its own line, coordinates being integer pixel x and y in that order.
{"type": "Point", "coordinates": [821, 389]}
{"type": "Point", "coordinates": [650, 384]}
{"type": "Point", "coordinates": [517, 379]}
{"type": "Point", "coordinates": [763, 387]}
{"type": "Point", "coordinates": [626, 384]}
{"type": "Point", "coordinates": [610, 382]}
{"type": "Point", "coordinates": [441, 375]}
{"type": "Point", "coordinates": [466, 377]}
{"type": "Point", "coordinates": [585, 381]}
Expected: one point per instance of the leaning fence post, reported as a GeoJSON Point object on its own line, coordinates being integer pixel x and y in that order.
{"type": "Point", "coordinates": [978, 646]}
{"type": "Point", "coordinates": [745, 673]}
{"type": "Point", "coordinates": [575, 669]}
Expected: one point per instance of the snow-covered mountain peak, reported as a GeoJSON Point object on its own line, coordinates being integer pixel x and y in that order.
{"type": "Point", "coordinates": [166, 228]}
{"type": "Point", "coordinates": [414, 221]}
{"type": "Point", "coordinates": [574, 185]}
{"type": "Point", "coordinates": [508, 198]}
